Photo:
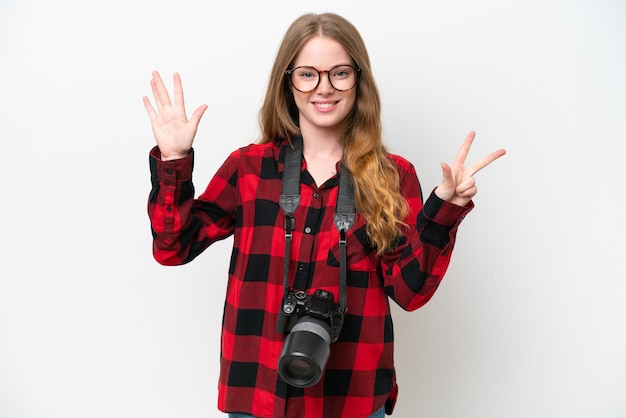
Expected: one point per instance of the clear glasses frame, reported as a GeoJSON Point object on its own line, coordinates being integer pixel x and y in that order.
{"type": "Point", "coordinates": [357, 71]}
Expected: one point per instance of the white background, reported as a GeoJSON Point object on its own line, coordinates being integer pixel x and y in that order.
{"type": "Point", "coordinates": [530, 320]}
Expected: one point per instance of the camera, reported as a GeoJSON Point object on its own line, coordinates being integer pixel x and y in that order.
{"type": "Point", "coordinates": [311, 323]}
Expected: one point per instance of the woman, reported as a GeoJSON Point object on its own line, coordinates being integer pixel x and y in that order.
{"type": "Point", "coordinates": [322, 93]}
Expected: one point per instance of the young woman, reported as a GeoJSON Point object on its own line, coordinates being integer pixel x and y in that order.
{"type": "Point", "coordinates": [321, 99]}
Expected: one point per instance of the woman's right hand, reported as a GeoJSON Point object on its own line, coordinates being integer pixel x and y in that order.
{"type": "Point", "coordinates": [174, 134]}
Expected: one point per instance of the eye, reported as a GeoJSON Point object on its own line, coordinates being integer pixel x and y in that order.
{"type": "Point", "coordinates": [341, 72]}
{"type": "Point", "coordinates": [307, 73]}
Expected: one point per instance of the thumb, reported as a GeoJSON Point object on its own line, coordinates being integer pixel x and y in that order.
{"type": "Point", "coordinates": [447, 180]}
{"type": "Point", "coordinates": [446, 188]}
{"type": "Point", "coordinates": [197, 114]}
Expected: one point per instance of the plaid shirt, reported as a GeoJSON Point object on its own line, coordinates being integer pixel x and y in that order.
{"type": "Point", "coordinates": [242, 200]}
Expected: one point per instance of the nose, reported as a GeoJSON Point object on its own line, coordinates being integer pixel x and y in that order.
{"type": "Point", "coordinates": [324, 85]}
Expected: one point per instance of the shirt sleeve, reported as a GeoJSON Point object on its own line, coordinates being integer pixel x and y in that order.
{"type": "Point", "coordinates": [182, 226]}
{"type": "Point", "coordinates": [412, 272]}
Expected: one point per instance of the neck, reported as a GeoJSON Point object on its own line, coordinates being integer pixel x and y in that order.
{"type": "Point", "coordinates": [322, 142]}
{"type": "Point", "coordinates": [322, 146]}
{"type": "Point", "coordinates": [321, 152]}
{"type": "Point", "coordinates": [314, 147]}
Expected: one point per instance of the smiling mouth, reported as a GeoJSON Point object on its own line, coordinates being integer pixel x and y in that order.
{"type": "Point", "coordinates": [326, 105]}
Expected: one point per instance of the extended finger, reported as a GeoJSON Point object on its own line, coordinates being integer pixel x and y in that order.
{"type": "Point", "coordinates": [485, 161]}
{"type": "Point", "coordinates": [465, 148]}
{"type": "Point", "coordinates": [161, 96]}
{"type": "Point", "coordinates": [149, 108]}
{"type": "Point", "coordinates": [179, 99]}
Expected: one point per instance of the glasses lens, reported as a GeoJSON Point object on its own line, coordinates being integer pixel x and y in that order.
{"type": "Point", "coordinates": [342, 77]}
{"type": "Point", "coordinates": [306, 79]}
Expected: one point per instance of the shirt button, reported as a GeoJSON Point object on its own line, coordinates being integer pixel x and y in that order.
{"type": "Point", "coordinates": [169, 171]}
{"type": "Point", "coordinates": [300, 267]}
{"type": "Point", "coordinates": [169, 208]}
{"type": "Point", "coordinates": [316, 195]}
{"type": "Point", "coordinates": [307, 230]}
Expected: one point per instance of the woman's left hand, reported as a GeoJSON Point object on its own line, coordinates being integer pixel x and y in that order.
{"type": "Point", "coordinates": [458, 185]}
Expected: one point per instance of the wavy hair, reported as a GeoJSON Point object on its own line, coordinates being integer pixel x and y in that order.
{"type": "Point", "coordinates": [375, 176]}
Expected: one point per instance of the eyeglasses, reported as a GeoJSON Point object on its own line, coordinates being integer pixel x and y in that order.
{"type": "Point", "coordinates": [306, 79]}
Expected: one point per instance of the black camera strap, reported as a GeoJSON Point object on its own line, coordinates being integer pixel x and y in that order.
{"type": "Point", "coordinates": [344, 219]}
{"type": "Point", "coordinates": [290, 197]}
{"type": "Point", "coordinates": [344, 214]}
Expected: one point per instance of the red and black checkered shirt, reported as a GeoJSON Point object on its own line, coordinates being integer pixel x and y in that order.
{"type": "Point", "coordinates": [242, 200]}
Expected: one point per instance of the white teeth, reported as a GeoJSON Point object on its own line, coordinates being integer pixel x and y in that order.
{"type": "Point", "coordinates": [324, 105]}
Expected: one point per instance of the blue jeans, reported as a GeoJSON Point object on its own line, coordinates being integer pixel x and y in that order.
{"type": "Point", "coordinates": [378, 414]}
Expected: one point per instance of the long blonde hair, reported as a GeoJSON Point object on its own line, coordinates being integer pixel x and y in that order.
{"type": "Point", "coordinates": [376, 181]}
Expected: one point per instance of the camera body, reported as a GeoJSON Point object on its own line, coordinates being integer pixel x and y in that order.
{"type": "Point", "coordinates": [320, 304]}
{"type": "Point", "coordinates": [311, 323]}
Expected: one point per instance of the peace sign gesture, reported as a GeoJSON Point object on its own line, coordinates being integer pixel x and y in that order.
{"type": "Point", "coordinates": [174, 134]}
{"type": "Point", "coordinates": [458, 185]}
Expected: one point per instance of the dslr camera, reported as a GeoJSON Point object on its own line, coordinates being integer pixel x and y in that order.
{"type": "Point", "coordinates": [311, 323]}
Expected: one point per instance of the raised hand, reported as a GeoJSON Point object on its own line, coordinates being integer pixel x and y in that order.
{"type": "Point", "coordinates": [174, 134]}
{"type": "Point", "coordinates": [458, 185]}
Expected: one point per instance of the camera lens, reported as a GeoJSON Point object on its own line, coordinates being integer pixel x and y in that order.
{"type": "Point", "coordinates": [298, 368]}
{"type": "Point", "coordinates": [305, 352]}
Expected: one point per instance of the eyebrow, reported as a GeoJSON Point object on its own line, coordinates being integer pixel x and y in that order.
{"type": "Point", "coordinates": [313, 66]}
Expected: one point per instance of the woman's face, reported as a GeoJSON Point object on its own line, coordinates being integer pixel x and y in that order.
{"type": "Point", "coordinates": [324, 108]}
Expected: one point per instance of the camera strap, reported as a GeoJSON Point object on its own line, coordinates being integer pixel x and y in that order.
{"type": "Point", "coordinates": [344, 214]}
